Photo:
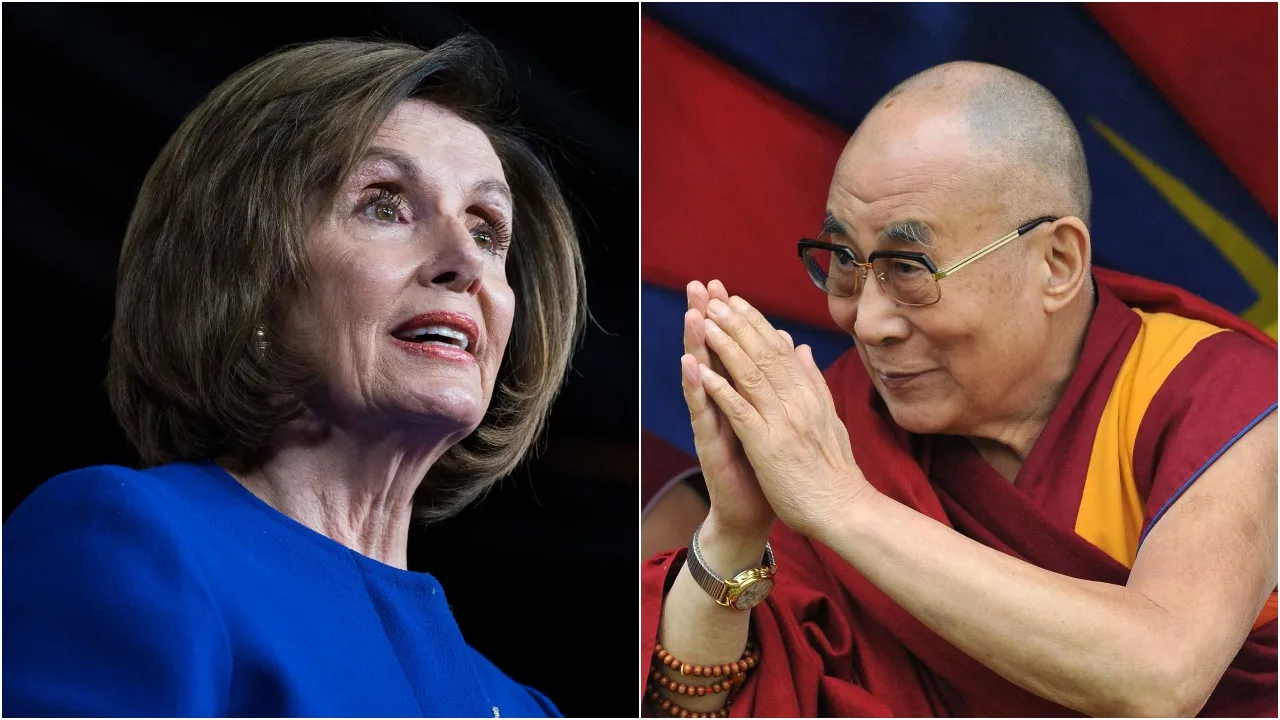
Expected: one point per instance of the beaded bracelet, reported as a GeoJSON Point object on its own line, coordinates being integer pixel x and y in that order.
{"type": "Point", "coordinates": [748, 661]}
{"type": "Point", "coordinates": [735, 673]}
{"type": "Point", "coordinates": [676, 711]}
{"type": "Point", "coordinates": [671, 685]}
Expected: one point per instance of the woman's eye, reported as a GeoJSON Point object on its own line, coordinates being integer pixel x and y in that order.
{"type": "Point", "coordinates": [383, 206]}
{"type": "Point", "coordinates": [492, 236]}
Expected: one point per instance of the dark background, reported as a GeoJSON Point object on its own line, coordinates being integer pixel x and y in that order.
{"type": "Point", "coordinates": [544, 568]}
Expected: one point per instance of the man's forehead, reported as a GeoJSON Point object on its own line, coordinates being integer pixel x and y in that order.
{"type": "Point", "coordinates": [856, 209]}
{"type": "Point", "coordinates": [871, 192]}
{"type": "Point", "coordinates": [880, 172]}
{"type": "Point", "coordinates": [909, 139]}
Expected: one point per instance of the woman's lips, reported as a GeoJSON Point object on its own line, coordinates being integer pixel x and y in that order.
{"type": "Point", "coordinates": [455, 322]}
{"type": "Point", "coordinates": [455, 325]}
{"type": "Point", "coordinates": [435, 351]}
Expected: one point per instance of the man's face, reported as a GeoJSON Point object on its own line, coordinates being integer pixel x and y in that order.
{"type": "Point", "coordinates": [961, 363]}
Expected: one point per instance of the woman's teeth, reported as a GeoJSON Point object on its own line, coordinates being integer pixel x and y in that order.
{"type": "Point", "coordinates": [436, 335]}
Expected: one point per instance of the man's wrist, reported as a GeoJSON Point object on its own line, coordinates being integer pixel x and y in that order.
{"type": "Point", "coordinates": [727, 553]}
{"type": "Point", "coordinates": [847, 526]}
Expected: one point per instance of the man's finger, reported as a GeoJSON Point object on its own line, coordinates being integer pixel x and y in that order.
{"type": "Point", "coordinates": [768, 352]}
{"type": "Point", "coordinates": [698, 296]}
{"type": "Point", "coordinates": [758, 321]}
{"type": "Point", "coordinates": [703, 414]}
{"type": "Point", "coordinates": [748, 378]}
{"type": "Point", "coordinates": [695, 336]}
{"type": "Point", "coordinates": [809, 366]}
{"type": "Point", "coordinates": [716, 291]}
{"type": "Point", "coordinates": [695, 341]}
{"type": "Point", "coordinates": [742, 417]}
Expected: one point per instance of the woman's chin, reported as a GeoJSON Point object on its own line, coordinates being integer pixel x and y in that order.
{"type": "Point", "coordinates": [459, 407]}
{"type": "Point", "coordinates": [454, 408]}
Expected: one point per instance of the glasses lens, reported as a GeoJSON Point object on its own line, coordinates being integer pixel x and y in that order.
{"type": "Point", "coordinates": [833, 272]}
{"type": "Point", "coordinates": [907, 281]}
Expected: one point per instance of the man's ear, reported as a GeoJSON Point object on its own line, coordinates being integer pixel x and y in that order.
{"type": "Point", "coordinates": [1066, 253]}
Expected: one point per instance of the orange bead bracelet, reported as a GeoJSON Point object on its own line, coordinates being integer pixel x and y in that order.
{"type": "Point", "coordinates": [733, 674]}
{"type": "Point", "coordinates": [749, 659]}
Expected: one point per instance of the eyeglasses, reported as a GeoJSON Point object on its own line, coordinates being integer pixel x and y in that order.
{"type": "Point", "coordinates": [910, 278]}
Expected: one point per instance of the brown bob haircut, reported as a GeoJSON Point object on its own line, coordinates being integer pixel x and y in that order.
{"type": "Point", "coordinates": [217, 241]}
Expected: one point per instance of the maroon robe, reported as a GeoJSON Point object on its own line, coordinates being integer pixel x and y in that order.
{"type": "Point", "coordinates": [832, 644]}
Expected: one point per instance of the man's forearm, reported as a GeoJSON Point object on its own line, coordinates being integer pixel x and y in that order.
{"type": "Point", "coordinates": [1085, 645]}
{"type": "Point", "coordinates": [694, 627]}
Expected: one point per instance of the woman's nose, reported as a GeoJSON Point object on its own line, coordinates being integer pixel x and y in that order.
{"type": "Point", "coordinates": [456, 262]}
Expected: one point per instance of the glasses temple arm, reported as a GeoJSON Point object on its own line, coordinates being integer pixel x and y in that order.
{"type": "Point", "coordinates": [980, 254]}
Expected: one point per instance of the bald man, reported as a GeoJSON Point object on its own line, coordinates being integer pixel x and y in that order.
{"type": "Point", "coordinates": [1032, 487]}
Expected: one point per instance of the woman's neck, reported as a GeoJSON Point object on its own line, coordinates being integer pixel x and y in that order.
{"type": "Point", "coordinates": [354, 491]}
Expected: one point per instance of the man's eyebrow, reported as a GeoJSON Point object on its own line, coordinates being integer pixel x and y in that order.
{"type": "Point", "coordinates": [907, 232]}
{"type": "Point", "coordinates": [832, 226]}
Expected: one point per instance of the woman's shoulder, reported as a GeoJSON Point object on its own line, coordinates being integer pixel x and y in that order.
{"type": "Point", "coordinates": [108, 519]}
{"type": "Point", "coordinates": [101, 496]}
{"type": "Point", "coordinates": [97, 482]}
{"type": "Point", "coordinates": [114, 615]}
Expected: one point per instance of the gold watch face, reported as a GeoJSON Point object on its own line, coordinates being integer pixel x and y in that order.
{"type": "Point", "coordinates": [752, 594]}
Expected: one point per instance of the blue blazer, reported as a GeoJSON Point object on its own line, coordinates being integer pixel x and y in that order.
{"type": "Point", "coordinates": [175, 591]}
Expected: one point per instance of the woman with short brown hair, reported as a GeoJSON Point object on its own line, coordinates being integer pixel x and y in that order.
{"type": "Point", "coordinates": [348, 294]}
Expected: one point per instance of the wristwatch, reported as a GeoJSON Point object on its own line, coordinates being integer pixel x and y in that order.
{"type": "Point", "coordinates": [746, 590]}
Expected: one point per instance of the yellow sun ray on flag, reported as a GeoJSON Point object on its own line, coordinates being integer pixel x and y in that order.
{"type": "Point", "coordinates": [1254, 265]}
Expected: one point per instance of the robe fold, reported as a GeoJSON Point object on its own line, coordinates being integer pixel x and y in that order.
{"type": "Point", "coordinates": [1165, 384]}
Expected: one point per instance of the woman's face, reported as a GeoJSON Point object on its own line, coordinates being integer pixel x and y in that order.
{"type": "Point", "coordinates": [409, 310]}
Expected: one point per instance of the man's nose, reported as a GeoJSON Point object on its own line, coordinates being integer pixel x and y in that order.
{"type": "Point", "coordinates": [877, 320]}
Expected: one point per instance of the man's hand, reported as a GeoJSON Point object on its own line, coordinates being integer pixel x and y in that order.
{"type": "Point", "coordinates": [782, 412]}
{"type": "Point", "coordinates": [738, 507]}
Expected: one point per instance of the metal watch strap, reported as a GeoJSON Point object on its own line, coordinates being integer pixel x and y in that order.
{"type": "Point", "coordinates": [717, 588]}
